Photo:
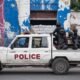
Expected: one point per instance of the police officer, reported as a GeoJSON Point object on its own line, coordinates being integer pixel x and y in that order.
{"type": "Point", "coordinates": [73, 34]}
{"type": "Point", "coordinates": [60, 37]}
{"type": "Point", "coordinates": [56, 34]}
{"type": "Point", "coordinates": [63, 39]}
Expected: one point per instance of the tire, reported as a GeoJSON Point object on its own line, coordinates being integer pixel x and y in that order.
{"type": "Point", "coordinates": [60, 66]}
{"type": "Point", "coordinates": [0, 67]}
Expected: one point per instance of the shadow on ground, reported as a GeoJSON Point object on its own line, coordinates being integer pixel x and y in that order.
{"type": "Point", "coordinates": [70, 73]}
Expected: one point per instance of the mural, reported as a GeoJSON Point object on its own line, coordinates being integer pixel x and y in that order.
{"type": "Point", "coordinates": [75, 20]}
{"type": "Point", "coordinates": [63, 16]}
{"type": "Point", "coordinates": [23, 14]}
{"type": "Point", "coordinates": [44, 4]}
{"type": "Point", "coordinates": [61, 6]}
{"type": "Point", "coordinates": [16, 15]}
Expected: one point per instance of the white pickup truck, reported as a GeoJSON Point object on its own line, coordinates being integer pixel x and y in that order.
{"type": "Point", "coordinates": [37, 50]}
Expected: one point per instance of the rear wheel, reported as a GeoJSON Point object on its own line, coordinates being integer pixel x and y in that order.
{"type": "Point", "coordinates": [0, 67]}
{"type": "Point", "coordinates": [60, 66]}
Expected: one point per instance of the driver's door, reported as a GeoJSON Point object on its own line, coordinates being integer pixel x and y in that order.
{"type": "Point", "coordinates": [18, 53]}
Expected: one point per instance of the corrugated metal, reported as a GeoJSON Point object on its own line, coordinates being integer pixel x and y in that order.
{"type": "Point", "coordinates": [47, 15]}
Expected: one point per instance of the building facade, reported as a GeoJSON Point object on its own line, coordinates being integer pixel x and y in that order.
{"type": "Point", "coordinates": [38, 16]}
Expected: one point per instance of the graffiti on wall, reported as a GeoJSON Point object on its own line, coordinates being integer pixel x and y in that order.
{"type": "Point", "coordinates": [24, 14]}
{"type": "Point", "coordinates": [16, 15]}
{"type": "Point", "coordinates": [44, 4]}
{"type": "Point", "coordinates": [63, 16]}
{"type": "Point", "coordinates": [61, 6]}
{"type": "Point", "coordinates": [75, 20]}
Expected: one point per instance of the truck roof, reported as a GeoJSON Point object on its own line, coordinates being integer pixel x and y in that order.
{"type": "Point", "coordinates": [28, 35]}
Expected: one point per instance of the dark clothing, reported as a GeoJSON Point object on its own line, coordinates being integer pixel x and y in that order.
{"type": "Point", "coordinates": [56, 34]}
{"type": "Point", "coordinates": [56, 31]}
{"type": "Point", "coordinates": [74, 37]}
{"type": "Point", "coordinates": [60, 38]}
{"type": "Point", "coordinates": [75, 34]}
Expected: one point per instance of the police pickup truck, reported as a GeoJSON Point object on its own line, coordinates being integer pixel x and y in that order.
{"type": "Point", "coordinates": [37, 50]}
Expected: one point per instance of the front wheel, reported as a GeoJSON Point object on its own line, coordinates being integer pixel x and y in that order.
{"type": "Point", "coordinates": [60, 66]}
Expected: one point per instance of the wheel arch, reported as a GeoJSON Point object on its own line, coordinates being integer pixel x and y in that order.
{"type": "Point", "coordinates": [50, 62]}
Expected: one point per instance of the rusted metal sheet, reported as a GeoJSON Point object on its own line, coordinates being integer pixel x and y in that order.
{"type": "Point", "coordinates": [43, 14]}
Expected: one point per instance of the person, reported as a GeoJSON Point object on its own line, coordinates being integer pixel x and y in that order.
{"type": "Point", "coordinates": [74, 36]}
{"type": "Point", "coordinates": [56, 34]}
{"type": "Point", "coordinates": [63, 40]}
{"type": "Point", "coordinates": [60, 37]}
{"type": "Point", "coordinates": [27, 42]}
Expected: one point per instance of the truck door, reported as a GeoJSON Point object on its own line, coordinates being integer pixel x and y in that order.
{"type": "Point", "coordinates": [40, 50]}
{"type": "Point", "coordinates": [18, 52]}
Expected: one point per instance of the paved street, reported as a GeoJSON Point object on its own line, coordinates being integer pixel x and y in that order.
{"type": "Point", "coordinates": [37, 74]}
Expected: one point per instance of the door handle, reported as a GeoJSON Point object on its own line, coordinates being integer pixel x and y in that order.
{"type": "Point", "coordinates": [25, 51]}
{"type": "Point", "coordinates": [46, 51]}
{"type": "Point", "coordinates": [13, 51]}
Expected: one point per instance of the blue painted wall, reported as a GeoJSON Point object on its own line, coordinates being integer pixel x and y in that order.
{"type": "Point", "coordinates": [17, 15]}
{"type": "Point", "coordinates": [15, 21]}
{"type": "Point", "coordinates": [63, 15]}
{"type": "Point", "coordinates": [12, 27]}
{"type": "Point", "coordinates": [44, 4]}
{"type": "Point", "coordinates": [61, 6]}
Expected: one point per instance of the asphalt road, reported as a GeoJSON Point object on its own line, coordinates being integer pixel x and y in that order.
{"type": "Point", "coordinates": [37, 74]}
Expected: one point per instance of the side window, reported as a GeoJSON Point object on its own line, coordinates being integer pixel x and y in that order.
{"type": "Point", "coordinates": [22, 42]}
{"type": "Point", "coordinates": [39, 42]}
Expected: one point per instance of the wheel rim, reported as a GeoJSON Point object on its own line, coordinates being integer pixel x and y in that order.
{"type": "Point", "coordinates": [60, 67]}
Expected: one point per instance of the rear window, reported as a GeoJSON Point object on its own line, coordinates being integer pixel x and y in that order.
{"type": "Point", "coordinates": [39, 42]}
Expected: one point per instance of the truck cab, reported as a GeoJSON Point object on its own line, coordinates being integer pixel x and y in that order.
{"type": "Point", "coordinates": [30, 50]}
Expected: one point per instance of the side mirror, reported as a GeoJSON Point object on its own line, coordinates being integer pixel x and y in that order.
{"type": "Point", "coordinates": [12, 46]}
